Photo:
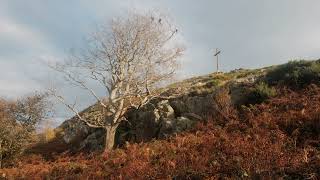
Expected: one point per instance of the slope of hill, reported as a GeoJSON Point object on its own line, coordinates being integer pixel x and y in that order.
{"type": "Point", "coordinates": [259, 124]}
{"type": "Point", "coordinates": [188, 103]}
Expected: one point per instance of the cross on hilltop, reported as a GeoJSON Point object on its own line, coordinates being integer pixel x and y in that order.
{"type": "Point", "coordinates": [217, 56]}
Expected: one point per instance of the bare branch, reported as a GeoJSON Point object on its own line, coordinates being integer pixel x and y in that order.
{"type": "Point", "coordinates": [73, 109]}
{"type": "Point", "coordinates": [130, 57]}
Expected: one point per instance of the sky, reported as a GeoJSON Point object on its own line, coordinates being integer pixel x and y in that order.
{"type": "Point", "coordinates": [249, 33]}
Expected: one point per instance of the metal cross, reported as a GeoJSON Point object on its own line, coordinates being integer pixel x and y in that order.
{"type": "Point", "coordinates": [217, 55]}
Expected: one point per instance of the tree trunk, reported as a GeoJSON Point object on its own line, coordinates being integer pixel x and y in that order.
{"type": "Point", "coordinates": [110, 137]}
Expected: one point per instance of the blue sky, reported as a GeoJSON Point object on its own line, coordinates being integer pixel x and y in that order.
{"type": "Point", "coordinates": [250, 34]}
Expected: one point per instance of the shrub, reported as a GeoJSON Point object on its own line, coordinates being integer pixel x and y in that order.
{"type": "Point", "coordinates": [223, 109]}
{"type": "Point", "coordinates": [260, 93]}
{"type": "Point", "coordinates": [18, 120]}
{"type": "Point", "coordinates": [296, 74]}
{"type": "Point", "coordinates": [13, 136]}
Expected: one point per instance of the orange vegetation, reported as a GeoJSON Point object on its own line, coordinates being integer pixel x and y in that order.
{"type": "Point", "coordinates": [276, 139]}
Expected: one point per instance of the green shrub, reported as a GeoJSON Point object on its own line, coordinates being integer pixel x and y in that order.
{"type": "Point", "coordinates": [260, 93]}
{"type": "Point", "coordinates": [296, 74]}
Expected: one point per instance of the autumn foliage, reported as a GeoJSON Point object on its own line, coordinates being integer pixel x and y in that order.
{"type": "Point", "coordinates": [276, 139]}
{"type": "Point", "coordinates": [18, 120]}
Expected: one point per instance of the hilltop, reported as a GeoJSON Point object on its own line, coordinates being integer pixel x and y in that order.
{"type": "Point", "coordinates": [262, 123]}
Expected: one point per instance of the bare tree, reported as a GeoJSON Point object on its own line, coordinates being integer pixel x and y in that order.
{"type": "Point", "coordinates": [30, 110]}
{"type": "Point", "coordinates": [130, 58]}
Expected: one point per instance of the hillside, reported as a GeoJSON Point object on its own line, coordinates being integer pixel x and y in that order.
{"type": "Point", "coordinates": [254, 124]}
{"type": "Point", "coordinates": [182, 105]}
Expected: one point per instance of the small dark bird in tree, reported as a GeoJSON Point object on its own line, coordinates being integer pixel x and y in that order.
{"type": "Point", "coordinates": [160, 21]}
{"type": "Point", "coordinates": [176, 30]}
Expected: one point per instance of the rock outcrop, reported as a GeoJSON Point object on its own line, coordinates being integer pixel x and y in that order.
{"type": "Point", "coordinates": [161, 117]}
{"type": "Point", "coordinates": [157, 120]}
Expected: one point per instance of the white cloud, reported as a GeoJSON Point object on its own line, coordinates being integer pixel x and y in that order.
{"type": "Point", "coordinates": [13, 31]}
{"type": "Point", "coordinates": [13, 81]}
{"type": "Point", "coordinates": [20, 46]}
{"type": "Point", "coordinates": [15, 88]}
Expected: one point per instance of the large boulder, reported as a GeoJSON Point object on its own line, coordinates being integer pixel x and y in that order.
{"type": "Point", "coordinates": [145, 123]}
{"type": "Point", "coordinates": [165, 109]}
{"type": "Point", "coordinates": [183, 123]}
{"type": "Point", "coordinates": [73, 130]}
{"type": "Point", "coordinates": [156, 120]}
{"type": "Point", "coordinates": [198, 105]}
{"type": "Point", "coordinates": [94, 141]}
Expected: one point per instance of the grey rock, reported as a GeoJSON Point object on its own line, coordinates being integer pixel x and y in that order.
{"type": "Point", "coordinates": [165, 110]}
{"type": "Point", "coordinates": [94, 141]}
{"type": "Point", "coordinates": [73, 130]}
{"type": "Point", "coordinates": [179, 106]}
{"type": "Point", "coordinates": [183, 124]}
{"type": "Point", "coordinates": [167, 127]}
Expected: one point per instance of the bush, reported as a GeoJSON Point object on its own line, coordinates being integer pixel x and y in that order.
{"type": "Point", "coordinates": [296, 74]}
{"type": "Point", "coordinates": [260, 93]}
{"type": "Point", "coordinates": [18, 120]}
{"type": "Point", "coordinates": [13, 136]}
{"type": "Point", "coordinates": [223, 109]}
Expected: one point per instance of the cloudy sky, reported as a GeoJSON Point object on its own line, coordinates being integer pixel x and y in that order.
{"type": "Point", "coordinates": [250, 34]}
